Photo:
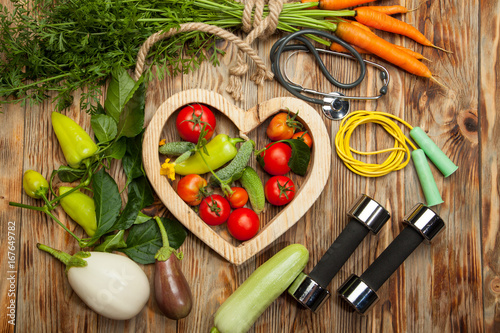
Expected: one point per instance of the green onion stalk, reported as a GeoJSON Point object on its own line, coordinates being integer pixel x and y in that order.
{"type": "Point", "coordinates": [51, 48]}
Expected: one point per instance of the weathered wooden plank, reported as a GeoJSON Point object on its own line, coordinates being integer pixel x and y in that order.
{"type": "Point", "coordinates": [488, 127]}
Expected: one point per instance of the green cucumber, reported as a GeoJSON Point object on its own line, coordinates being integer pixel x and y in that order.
{"type": "Point", "coordinates": [240, 311]}
{"type": "Point", "coordinates": [253, 185]}
{"type": "Point", "coordinates": [234, 170]}
{"type": "Point", "coordinates": [176, 148]}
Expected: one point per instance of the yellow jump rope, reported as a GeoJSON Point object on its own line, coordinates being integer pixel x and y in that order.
{"type": "Point", "coordinates": [399, 155]}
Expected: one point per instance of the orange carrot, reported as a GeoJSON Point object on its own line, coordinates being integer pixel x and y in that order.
{"type": "Point", "coordinates": [382, 48]}
{"type": "Point", "coordinates": [385, 22]}
{"type": "Point", "coordinates": [339, 48]}
{"type": "Point", "coordinates": [388, 10]}
{"type": "Point", "coordinates": [414, 54]}
{"type": "Point", "coordinates": [307, 1]}
{"type": "Point", "coordinates": [338, 4]}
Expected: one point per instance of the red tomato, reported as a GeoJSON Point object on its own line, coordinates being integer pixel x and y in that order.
{"type": "Point", "coordinates": [279, 128]}
{"type": "Point", "coordinates": [190, 189]}
{"type": "Point", "coordinates": [214, 210]}
{"type": "Point", "coordinates": [304, 136]}
{"type": "Point", "coordinates": [276, 158]}
{"type": "Point", "coordinates": [239, 197]}
{"type": "Point", "coordinates": [243, 224]}
{"type": "Point", "coordinates": [191, 119]}
{"type": "Point", "coordinates": [279, 190]}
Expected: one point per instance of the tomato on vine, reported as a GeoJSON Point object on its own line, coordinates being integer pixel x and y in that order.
{"type": "Point", "coordinates": [279, 190]}
{"type": "Point", "coordinates": [276, 157]}
{"type": "Point", "coordinates": [214, 209]}
{"type": "Point", "coordinates": [243, 224]}
{"type": "Point", "coordinates": [304, 136]}
{"type": "Point", "coordinates": [282, 127]}
{"type": "Point", "coordinates": [190, 121]}
{"type": "Point", "coordinates": [191, 189]}
{"type": "Point", "coordinates": [239, 198]}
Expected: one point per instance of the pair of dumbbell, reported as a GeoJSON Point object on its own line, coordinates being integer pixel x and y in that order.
{"type": "Point", "coordinates": [366, 215]}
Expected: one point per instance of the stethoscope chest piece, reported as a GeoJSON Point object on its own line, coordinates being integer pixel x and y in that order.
{"type": "Point", "coordinates": [335, 107]}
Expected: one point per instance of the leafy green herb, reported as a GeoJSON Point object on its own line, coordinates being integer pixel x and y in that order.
{"type": "Point", "coordinates": [107, 202]}
{"type": "Point", "coordinates": [144, 240]}
{"type": "Point", "coordinates": [112, 242]}
{"type": "Point", "coordinates": [104, 127]}
{"type": "Point", "coordinates": [140, 195]}
{"type": "Point", "coordinates": [60, 46]}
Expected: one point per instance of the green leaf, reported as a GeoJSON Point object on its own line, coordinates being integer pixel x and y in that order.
{"type": "Point", "coordinates": [140, 195]}
{"type": "Point", "coordinates": [142, 218]}
{"type": "Point", "coordinates": [144, 240]}
{"type": "Point", "coordinates": [107, 202]}
{"type": "Point", "coordinates": [132, 160]}
{"type": "Point", "coordinates": [131, 120]}
{"type": "Point", "coordinates": [116, 150]}
{"type": "Point", "coordinates": [104, 127]}
{"type": "Point", "coordinates": [120, 90]}
{"type": "Point", "coordinates": [112, 243]}
{"type": "Point", "coordinates": [67, 174]}
{"type": "Point", "coordinates": [301, 155]}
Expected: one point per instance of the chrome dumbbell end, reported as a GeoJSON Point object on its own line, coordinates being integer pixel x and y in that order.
{"type": "Point", "coordinates": [425, 221]}
{"type": "Point", "coordinates": [358, 294]}
{"type": "Point", "coordinates": [369, 213]}
{"type": "Point", "coordinates": [308, 292]}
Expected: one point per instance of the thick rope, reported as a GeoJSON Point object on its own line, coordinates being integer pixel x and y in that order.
{"type": "Point", "coordinates": [185, 27]}
{"type": "Point", "coordinates": [260, 28]}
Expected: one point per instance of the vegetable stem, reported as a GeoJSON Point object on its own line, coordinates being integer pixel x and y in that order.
{"type": "Point", "coordinates": [60, 255]}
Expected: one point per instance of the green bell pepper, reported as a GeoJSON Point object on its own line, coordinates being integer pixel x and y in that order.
{"type": "Point", "coordinates": [81, 208]}
{"type": "Point", "coordinates": [75, 143]}
{"type": "Point", "coordinates": [221, 149]}
{"type": "Point", "coordinates": [34, 184]}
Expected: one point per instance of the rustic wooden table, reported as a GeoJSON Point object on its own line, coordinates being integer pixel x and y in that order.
{"type": "Point", "coordinates": [452, 284]}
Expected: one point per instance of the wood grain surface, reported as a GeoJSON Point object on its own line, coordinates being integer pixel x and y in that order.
{"type": "Point", "coordinates": [450, 285]}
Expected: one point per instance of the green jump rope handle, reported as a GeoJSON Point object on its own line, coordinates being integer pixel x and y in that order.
{"type": "Point", "coordinates": [436, 155]}
{"type": "Point", "coordinates": [429, 187]}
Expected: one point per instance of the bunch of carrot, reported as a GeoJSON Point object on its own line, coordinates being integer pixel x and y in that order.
{"type": "Point", "coordinates": [359, 34]}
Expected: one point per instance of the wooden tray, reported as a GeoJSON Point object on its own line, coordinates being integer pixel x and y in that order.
{"type": "Point", "coordinates": [245, 121]}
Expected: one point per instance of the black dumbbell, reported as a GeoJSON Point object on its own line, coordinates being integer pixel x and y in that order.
{"type": "Point", "coordinates": [422, 224]}
{"type": "Point", "coordinates": [366, 215]}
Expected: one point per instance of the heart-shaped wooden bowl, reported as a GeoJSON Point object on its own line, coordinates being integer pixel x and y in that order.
{"type": "Point", "coordinates": [245, 121]}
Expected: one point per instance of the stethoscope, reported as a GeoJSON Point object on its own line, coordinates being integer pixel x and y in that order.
{"type": "Point", "coordinates": [335, 105]}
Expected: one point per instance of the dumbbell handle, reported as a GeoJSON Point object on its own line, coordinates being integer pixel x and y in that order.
{"type": "Point", "coordinates": [338, 253]}
{"type": "Point", "coordinates": [392, 257]}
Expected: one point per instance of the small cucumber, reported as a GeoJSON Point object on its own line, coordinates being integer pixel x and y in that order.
{"type": "Point", "coordinates": [233, 171]}
{"type": "Point", "coordinates": [252, 183]}
{"type": "Point", "coordinates": [176, 148]}
{"type": "Point", "coordinates": [240, 311]}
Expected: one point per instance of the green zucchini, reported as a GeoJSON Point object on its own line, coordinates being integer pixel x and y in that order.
{"type": "Point", "coordinates": [252, 183]}
{"type": "Point", "coordinates": [234, 170]}
{"type": "Point", "coordinates": [240, 311]}
{"type": "Point", "coordinates": [176, 148]}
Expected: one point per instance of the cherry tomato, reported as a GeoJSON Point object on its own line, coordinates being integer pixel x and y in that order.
{"type": "Point", "coordinates": [279, 190]}
{"type": "Point", "coordinates": [304, 136]}
{"type": "Point", "coordinates": [276, 158]}
{"type": "Point", "coordinates": [191, 119]}
{"type": "Point", "coordinates": [190, 189]}
{"type": "Point", "coordinates": [214, 209]}
{"type": "Point", "coordinates": [239, 197]}
{"type": "Point", "coordinates": [278, 128]}
{"type": "Point", "coordinates": [243, 224]}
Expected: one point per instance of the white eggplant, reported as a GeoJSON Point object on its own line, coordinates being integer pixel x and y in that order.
{"type": "Point", "coordinates": [112, 285]}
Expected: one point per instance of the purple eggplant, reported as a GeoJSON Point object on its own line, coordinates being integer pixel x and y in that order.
{"type": "Point", "coordinates": [172, 291]}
